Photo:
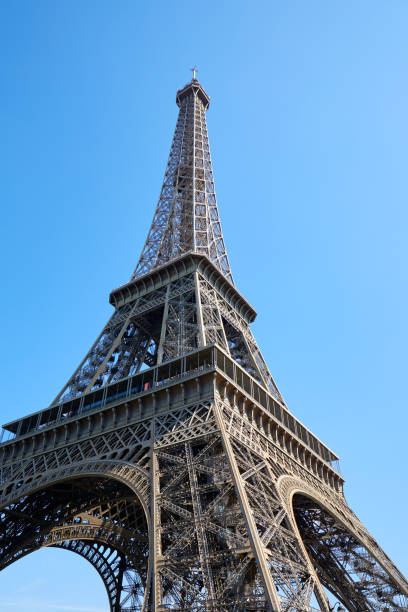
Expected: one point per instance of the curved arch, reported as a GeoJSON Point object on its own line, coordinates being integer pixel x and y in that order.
{"type": "Point", "coordinates": [123, 588]}
{"type": "Point", "coordinates": [95, 509]}
{"type": "Point", "coordinates": [348, 562]}
{"type": "Point", "coordinates": [95, 555]}
{"type": "Point", "coordinates": [25, 482]}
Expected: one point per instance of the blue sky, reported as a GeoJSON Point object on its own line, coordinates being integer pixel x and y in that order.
{"type": "Point", "coordinates": [308, 131]}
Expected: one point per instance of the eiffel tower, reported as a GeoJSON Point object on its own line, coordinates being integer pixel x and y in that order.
{"type": "Point", "coordinates": [170, 460]}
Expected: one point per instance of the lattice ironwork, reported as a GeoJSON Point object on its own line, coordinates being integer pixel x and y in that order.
{"type": "Point", "coordinates": [123, 584]}
{"type": "Point", "coordinates": [343, 563]}
{"type": "Point", "coordinates": [169, 322]}
{"type": "Point", "coordinates": [186, 217]}
{"type": "Point", "coordinates": [169, 460]}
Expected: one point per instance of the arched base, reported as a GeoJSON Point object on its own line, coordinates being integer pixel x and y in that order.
{"type": "Point", "coordinates": [343, 564]}
{"type": "Point", "coordinates": [97, 517]}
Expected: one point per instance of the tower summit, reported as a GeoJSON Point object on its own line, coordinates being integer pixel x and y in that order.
{"type": "Point", "coordinates": [169, 460]}
{"type": "Point", "coordinates": [186, 218]}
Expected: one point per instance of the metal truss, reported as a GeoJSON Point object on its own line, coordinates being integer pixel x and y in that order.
{"type": "Point", "coordinates": [204, 511]}
{"type": "Point", "coordinates": [96, 517]}
{"type": "Point", "coordinates": [186, 217]}
{"type": "Point", "coordinates": [242, 344]}
{"type": "Point", "coordinates": [123, 584]}
{"type": "Point", "coordinates": [343, 565]}
{"type": "Point", "coordinates": [189, 487]}
{"type": "Point", "coordinates": [166, 323]}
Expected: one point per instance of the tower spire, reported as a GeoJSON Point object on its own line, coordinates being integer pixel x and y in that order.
{"type": "Point", "coordinates": [186, 218]}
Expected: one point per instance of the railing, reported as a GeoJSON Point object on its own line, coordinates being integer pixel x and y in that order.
{"type": "Point", "coordinates": [241, 378]}
{"type": "Point", "coordinates": [152, 378]}
{"type": "Point", "coordinates": [206, 359]}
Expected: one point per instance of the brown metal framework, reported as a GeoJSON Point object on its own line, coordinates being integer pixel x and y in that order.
{"type": "Point", "coordinates": [169, 460]}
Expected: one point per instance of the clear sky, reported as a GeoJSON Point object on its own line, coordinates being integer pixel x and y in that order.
{"type": "Point", "coordinates": [308, 130]}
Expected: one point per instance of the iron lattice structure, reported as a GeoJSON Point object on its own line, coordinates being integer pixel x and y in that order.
{"type": "Point", "coordinates": [169, 460]}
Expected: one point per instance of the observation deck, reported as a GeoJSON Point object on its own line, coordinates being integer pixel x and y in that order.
{"type": "Point", "coordinates": [191, 367]}
{"type": "Point", "coordinates": [171, 271]}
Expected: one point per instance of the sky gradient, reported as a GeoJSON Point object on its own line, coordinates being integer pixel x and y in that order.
{"type": "Point", "coordinates": [308, 132]}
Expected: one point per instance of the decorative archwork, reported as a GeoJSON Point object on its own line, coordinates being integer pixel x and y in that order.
{"type": "Point", "coordinates": [348, 561]}
{"type": "Point", "coordinates": [98, 556]}
{"type": "Point", "coordinates": [132, 475]}
{"type": "Point", "coordinates": [100, 514]}
{"type": "Point", "coordinates": [123, 584]}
